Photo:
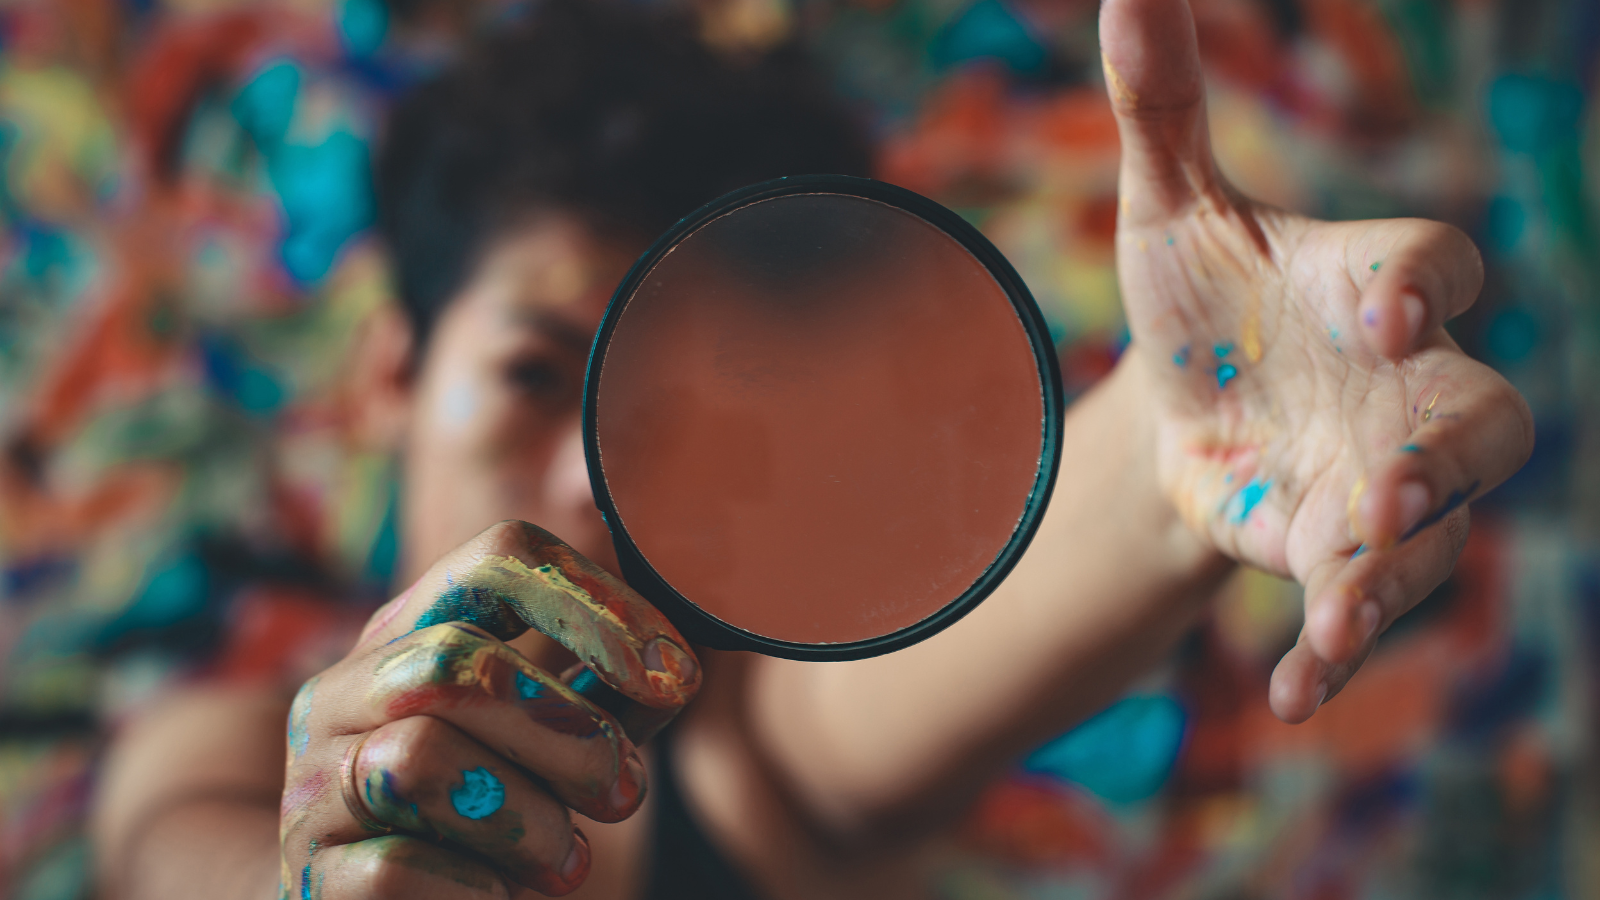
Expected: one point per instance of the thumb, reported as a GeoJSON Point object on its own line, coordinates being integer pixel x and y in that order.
{"type": "Point", "coordinates": [1152, 68]}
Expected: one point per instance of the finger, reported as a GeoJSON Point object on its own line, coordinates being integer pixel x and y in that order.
{"type": "Point", "coordinates": [1152, 66]}
{"type": "Point", "coordinates": [464, 676]}
{"type": "Point", "coordinates": [1471, 431]}
{"type": "Point", "coordinates": [425, 777]}
{"type": "Point", "coordinates": [514, 576]}
{"type": "Point", "coordinates": [1302, 682]}
{"type": "Point", "coordinates": [395, 867]}
{"type": "Point", "coordinates": [1418, 274]}
{"type": "Point", "coordinates": [1349, 603]}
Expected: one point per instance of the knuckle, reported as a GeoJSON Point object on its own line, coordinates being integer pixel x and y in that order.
{"type": "Point", "coordinates": [448, 653]}
{"type": "Point", "coordinates": [408, 753]}
{"type": "Point", "coordinates": [513, 537]}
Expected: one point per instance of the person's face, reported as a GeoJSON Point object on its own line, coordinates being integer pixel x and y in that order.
{"type": "Point", "coordinates": [493, 430]}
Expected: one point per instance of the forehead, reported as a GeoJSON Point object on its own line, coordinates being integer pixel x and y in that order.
{"type": "Point", "coordinates": [554, 274]}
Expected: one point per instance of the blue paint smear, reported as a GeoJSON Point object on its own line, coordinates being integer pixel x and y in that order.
{"type": "Point", "coordinates": [1455, 499]}
{"type": "Point", "coordinates": [479, 795]}
{"type": "Point", "coordinates": [1225, 374]}
{"type": "Point", "coordinates": [1222, 350]}
{"type": "Point", "coordinates": [527, 688]}
{"type": "Point", "coordinates": [299, 719]}
{"type": "Point", "coordinates": [305, 882]}
{"type": "Point", "coordinates": [1411, 448]}
{"type": "Point", "coordinates": [1245, 502]}
{"type": "Point", "coordinates": [584, 681]}
{"type": "Point", "coordinates": [1122, 755]}
{"type": "Point", "coordinates": [1181, 358]}
{"type": "Point", "coordinates": [1359, 550]}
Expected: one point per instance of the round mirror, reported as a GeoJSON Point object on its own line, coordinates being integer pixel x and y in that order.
{"type": "Point", "coordinates": [822, 419]}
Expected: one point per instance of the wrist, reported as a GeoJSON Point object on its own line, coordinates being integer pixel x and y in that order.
{"type": "Point", "coordinates": [1127, 423]}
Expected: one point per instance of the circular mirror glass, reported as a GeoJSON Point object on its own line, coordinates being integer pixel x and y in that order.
{"type": "Point", "coordinates": [821, 419]}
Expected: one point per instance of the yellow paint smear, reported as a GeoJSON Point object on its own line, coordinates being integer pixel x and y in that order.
{"type": "Point", "coordinates": [1356, 490]}
{"type": "Point", "coordinates": [550, 576]}
{"type": "Point", "coordinates": [1250, 337]}
{"type": "Point", "coordinates": [1120, 92]}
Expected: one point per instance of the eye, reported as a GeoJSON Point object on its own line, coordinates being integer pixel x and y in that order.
{"type": "Point", "coordinates": [539, 376]}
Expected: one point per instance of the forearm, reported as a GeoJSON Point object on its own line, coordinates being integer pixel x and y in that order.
{"type": "Point", "coordinates": [188, 800]}
{"type": "Point", "coordinates": [1110, 583]}
{"type": "Point", "coordinates": [213, 848]}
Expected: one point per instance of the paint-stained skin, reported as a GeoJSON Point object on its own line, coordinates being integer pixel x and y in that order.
{"type": "Point", "coordinates": [452, 663]}
{"type": "Point", "coordinates": [300, 716]}
{"type": "Point", "coordinates": [1226, 373]}
{"type": "Point", "coordinates": [479, 795]}
{"type": "Point", "coordinates": [399, 851]}
{"type": "Point", "coordinates": [1246, 500]}
{"type": "Point", "coordinates": [1181, 358]}
{"type": "Point", "coordinates": [1354, 501]}
{"type": "Point", "coordinates": [1119, 88]}
{"type": "Point", "coordinates": [1456, 499]}
{"type": "Point", "coordinates": [386, 804]}
{"type": "Point", "coordinates": [301, 795]}
{"type": "Point", "coordinates": [1427, 414]}
{"type": "Point", "coordinates": [582, 606]}
{"type": "Point", "coordinates": [1221, 474]}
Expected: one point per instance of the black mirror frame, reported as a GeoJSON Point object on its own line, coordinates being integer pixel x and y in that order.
{"type": "Point", "coordinates": [701, 627]}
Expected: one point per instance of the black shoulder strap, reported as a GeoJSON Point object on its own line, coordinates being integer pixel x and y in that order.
{"type": "Point", "coordinates": [684, 864]}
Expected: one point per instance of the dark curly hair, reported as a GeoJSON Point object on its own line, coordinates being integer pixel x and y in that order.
{"type": "Point", "coordinates": [618, 116]}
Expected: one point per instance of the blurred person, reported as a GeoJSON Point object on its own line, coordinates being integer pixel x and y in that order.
{"type": "Point", "coordinates": [445, 754]}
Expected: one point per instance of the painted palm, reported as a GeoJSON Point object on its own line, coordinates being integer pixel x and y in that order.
{"type": "Point", "coordinates": [1310, 406]}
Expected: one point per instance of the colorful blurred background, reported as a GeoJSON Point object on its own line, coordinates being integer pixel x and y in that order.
{"type": "Point", "coordinates": [185, 255]}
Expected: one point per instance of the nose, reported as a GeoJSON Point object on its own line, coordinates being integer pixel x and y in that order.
{"type": "Point", "coordinates": [572, 500]}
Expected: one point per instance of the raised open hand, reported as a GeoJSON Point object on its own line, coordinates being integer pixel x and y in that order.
{"type": "Point", "coordinates": [1314, 418]}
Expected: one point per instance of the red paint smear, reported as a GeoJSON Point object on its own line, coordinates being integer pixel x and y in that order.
{"type": "Point", "coordinates": [302, 794]}
{"type": "Point", "coordinates": [1226, 454]}
{"type": "Point", "coordinates": [562, 717]}
{"type": "Point", "coordinates": [418, 701]}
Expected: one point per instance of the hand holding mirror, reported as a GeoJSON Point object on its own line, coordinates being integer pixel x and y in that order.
{"type": "Point", "coordinates": [822, 419]}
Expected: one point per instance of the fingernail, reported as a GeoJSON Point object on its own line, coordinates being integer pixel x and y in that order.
{"type": "Point", "coordinates": [1411, 305]}
{"type": "Point", "coordinates": [668, 658]}
{"type": "Point", "coordinates": [1413, 504]}
{"type": "Point", "coordinates": [578, 859]}
{"type": "Point", "coordinates": [628, 790]}
{"type": "Point", "coordinates": [1367, 617]}
{"type": "Point", "coordinates": [1322, 694]}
